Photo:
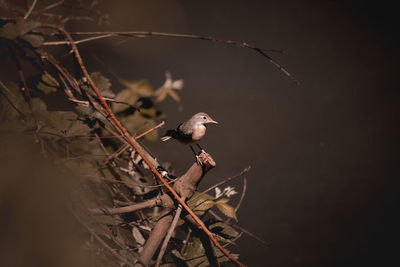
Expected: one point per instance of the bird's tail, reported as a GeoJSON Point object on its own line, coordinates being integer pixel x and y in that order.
{"type": "Point", "coordinates": [165, 138]}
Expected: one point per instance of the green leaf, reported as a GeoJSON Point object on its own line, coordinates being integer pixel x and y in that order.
{"type": "Point", "coordinates": [205, 205]}
{"type": "Point", "coordinates": [197, 199]}
{"type": "Point", "coordinates": [225, 208]}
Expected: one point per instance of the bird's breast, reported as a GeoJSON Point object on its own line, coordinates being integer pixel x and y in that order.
{"type": "Point", "coordinates": [198, 132]}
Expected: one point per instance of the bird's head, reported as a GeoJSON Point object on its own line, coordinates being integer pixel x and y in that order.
{"type": "Point", "coordinates": [203, 118]}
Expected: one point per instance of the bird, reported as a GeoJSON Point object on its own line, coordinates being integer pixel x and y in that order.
{"type": "Point", "coordinates": [190, 131]}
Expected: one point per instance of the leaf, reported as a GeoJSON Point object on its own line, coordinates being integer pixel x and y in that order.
{"type": "Point", "coordinates": [103, 84]}
{"type": "Point", "coordinates": [125, 237]}
{"type": "Point", "coordinates": [141, 87]}
{"type": "Point", "coordinates": [77, 128]}
{"type": "Point", "coordinates": [34, 39]}
{"type": "Point", "coordinates": [46, 85]}
{"type": "Point", "coordinates": [224, 229]}
{"type": "Point", "coordinates": [128, 96]}
{"type": "Point", "coordinates": [12, 30]}
{"type": "Point", "coordinates": [196, 200]}
{"type": "Point", "coordinates": [225, 208]}
{"type": "Point", "coordinates": [138, 124]}
{"type": "Point", "coordinates": [11, 93]}
{"type": "Point", "coordinates": [203, 206]}
{"type": "Point", "coordinates": [195, 251]}
{"type": "Point", "coordinates": [174, 95]}
{"type": "Point", "coordinates": [161, 96]}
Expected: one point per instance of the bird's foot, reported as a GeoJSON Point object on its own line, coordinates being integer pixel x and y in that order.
{"type": "Point", "coordinates": [198, 160]}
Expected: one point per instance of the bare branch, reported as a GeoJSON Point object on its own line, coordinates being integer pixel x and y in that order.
{"type": "Point", "coordinates": [145, 34]}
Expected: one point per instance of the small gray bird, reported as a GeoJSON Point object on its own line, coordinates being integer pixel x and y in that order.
{"type": "Point", "coordinates": [191, 131]}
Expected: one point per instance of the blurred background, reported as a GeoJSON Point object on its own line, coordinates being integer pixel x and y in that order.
{"type": "Point", "coordinates": [323, 189]}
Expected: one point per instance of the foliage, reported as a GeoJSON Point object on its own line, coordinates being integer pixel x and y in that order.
{"type": "Point", "coordinates": [81, 140]}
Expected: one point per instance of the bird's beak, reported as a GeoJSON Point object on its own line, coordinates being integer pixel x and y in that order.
{"type": "Point", "coordinates": [211, 121]}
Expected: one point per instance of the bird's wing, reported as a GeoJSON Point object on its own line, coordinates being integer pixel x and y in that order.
{"type": "Point", "coordinates": [185, 128]}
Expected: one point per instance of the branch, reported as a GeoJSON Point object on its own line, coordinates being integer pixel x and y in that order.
{"type": "Point", "coordinates": [164, 201]}
{"type": "Point", "coordinates": [145, 34]}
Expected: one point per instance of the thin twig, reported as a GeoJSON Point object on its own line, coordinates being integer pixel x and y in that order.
{"type": "Point", "coordinates": [135, 145]}
{"type": "Point", "coordinates": [243, 194]}
{"type": "Point", "coordinates": [56, 4]}
{"type": "Point", "coordinates": [169, 234]}
{"type": "Point", "coordinates": [238, 228]}
{"type": "Point", "coordinates": [30, 9]}
{"type": "Point", "coordinates": [222, 182]}
{"type": "Point", "coordinates": [144, 34]}
{"type": "Point", "coordinates": [125, 147]}
{"type": "Point", "coordinates": [185, 242]}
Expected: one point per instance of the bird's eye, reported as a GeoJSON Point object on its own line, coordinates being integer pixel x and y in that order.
{"type": "Point", "coordinates": [204, 118]}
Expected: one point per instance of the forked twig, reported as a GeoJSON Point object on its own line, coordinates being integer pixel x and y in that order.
{"type": "Point", "coordinates": [135, 145]}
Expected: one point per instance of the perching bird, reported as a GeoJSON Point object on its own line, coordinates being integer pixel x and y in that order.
{"type": "Point", "coordinates": [191, 131]}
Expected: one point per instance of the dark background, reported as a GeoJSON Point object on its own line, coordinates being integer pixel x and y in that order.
{"type": "Point", "coordinates": [323, 189]}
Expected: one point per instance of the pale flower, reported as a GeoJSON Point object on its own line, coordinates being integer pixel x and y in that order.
{"type": "Point", "coordinates": [168, 88]}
